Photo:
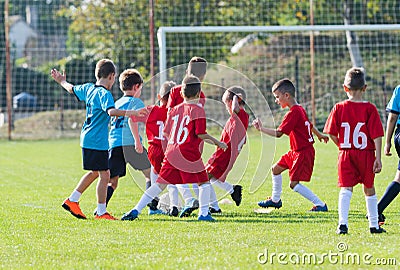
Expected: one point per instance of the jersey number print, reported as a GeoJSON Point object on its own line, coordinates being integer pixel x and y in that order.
{"type": "Point", "coordinates": [179, 136]}
{"type": "Point", "coordinates": [357, 136]}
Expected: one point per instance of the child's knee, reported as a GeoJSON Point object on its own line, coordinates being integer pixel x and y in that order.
{"type": "Point", "coordinates": [293, 184]}
{"type": "Point", "coordinates": [369, 191]}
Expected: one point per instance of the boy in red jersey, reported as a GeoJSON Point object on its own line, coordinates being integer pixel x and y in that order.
{"type": "Point", "coordinates": [300, 159]}
{"type": "Point", "coordinates": [355, 127]}
{"type": "Point", "coordinates": [234, 135]}
{"type": "Point", "coordinates": [198, 67]}
{"type": "Point", "coordinates": [185, 129]}
{"type": "Point", "coordinates": [157, 142]}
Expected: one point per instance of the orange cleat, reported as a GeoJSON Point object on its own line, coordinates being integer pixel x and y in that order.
{"type": "Point", "coordinates": [105, 216]}
{"type": "Point", "coordinates": [73, 208]}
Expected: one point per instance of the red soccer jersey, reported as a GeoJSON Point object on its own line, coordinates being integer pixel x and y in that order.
{"type": "Point", "coordinates": [234, 135]}
{"type": "Point", "coordinates": [296, 125]}
{"type": "Point", "coordinates": [184, 122]}
{"type": "Point", "coordinates": [155, 125]}
{"type": "Point", "coordinates": [175, 97]}
{"type": "Point", "coordinates": [356, 124]}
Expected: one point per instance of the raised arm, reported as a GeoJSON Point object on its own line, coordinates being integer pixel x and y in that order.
{"type": "Point", "coordinates": [391, 123]}
{"type": "Point", "coordinates": [269, 131]}
{"type": "Point", "coordinates": [321, 137]}
{"type": "Point", "coordinates": [61, 79]}
{"type": "Point", "coordinates": [235, 104]}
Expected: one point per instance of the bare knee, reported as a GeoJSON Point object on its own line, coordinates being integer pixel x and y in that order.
{"type": "Point", "coordinates": [276, 169]}
{"type": "Point", "coordinates": [369, 191]}
{"type": "Point", "coordinates": [293, 184]}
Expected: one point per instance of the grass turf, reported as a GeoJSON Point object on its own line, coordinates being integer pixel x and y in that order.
{"type": "Point", "coordinates": [36, 233]}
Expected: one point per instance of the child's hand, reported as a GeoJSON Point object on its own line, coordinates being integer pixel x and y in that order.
{"type": "Point", "coordinates": [387, 149]}
{"type": "Point", "coordinates": [140, 115]}
{"type": "Point", "coordinates": [377, 166]}
{"type": "Point", "coordinates": [257, 123]}
{"type": "Point", "coordinates": [58, 76]}
{"type": "Point", "coordinates": [222, 145]}
{"type": "Point", "coordinates": [138, 147]}
{"type": "Point", "coordinates": [323, 138]}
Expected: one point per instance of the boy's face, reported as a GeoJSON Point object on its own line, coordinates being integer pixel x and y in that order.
{"type": "Point", "coordinates": [226, 101]}
{"type": "Point", "coordinates": [281, 99]}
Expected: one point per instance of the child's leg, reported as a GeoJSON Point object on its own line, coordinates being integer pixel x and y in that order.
{"type": "Point", "coordinates": [344, 205]}
{"type": "Point", "coordinates": [149, 195]}
{"type": "Point", "coordinates": [390, 194]}
{"type": "Point", "coordinates": [146, 173]}
{"type": "Point", "coordinates": [184, 190]}
{"type": "Point", "coordinates": [102, 191]}
{"type": "Point", "coordinates": [306, 193]}
{"type": "Point", "coordinates": [153, 176]}
{"type": "Point", "coordinates": [112, 185]}
{"type": "Point", "coordinates": [204, 198]}
{"type": "Point", "coordinates": [372, 207]}
{"type": "Point", "coordinates": [173, 196]}
{"type": "Point", "coordinates": [276, 182]}
{"type": "Point", "coordinates": [83, 184]}
{"type": "Point", "coordinates": [213, 198]}
{"type": "Point", "coordinates": [223, 185]}
{"type": "Point", "coordinates": [195, 188]}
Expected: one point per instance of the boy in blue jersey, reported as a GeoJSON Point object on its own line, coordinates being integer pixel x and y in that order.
{"type": "Point", "coordinates": [125, 142]}
{"type": "Point", "coordinates": [94, 135]}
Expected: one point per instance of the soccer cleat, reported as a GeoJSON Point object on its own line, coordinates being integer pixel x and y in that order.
{"type": "Point", "coordinates": [381, 219]}
{"type": "Point", "coordinates": [342, 229]}
{"type": "Point", "coordinates": [73, 208]}
{"type": "Point", "coordinates": [173, 212]}
{"type": "Point", "coordinates": [189, 208]}
{"type": "Point", "coordinates": [132, 215]}
{"type": "Point", "coordinates": [206, 218]}
{"type": "Point", "coordinates": [212, 210]}
{"type": "Point", "coordinates": [105, 216]}
{"type": "Point", "coordinates": [317, 208]}
{"type": "Point", "coordinates": [237, 194]}
{"type": "Point", "coordinates": [377, 230]}
{"type": "Point", "coordinates": [153, 204]}
{"type": "Point", "coordinates": [155, 212]}
{"type": "Point", "coordinates": [269, 203]}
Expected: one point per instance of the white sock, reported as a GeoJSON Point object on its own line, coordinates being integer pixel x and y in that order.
{"type": "Point", "coordinates": [153, 176]}
{"type": "Point", "coordinates": [344, 206]}
{"type": "Point", "coordinates": [75, 196]}
{"type": "Point", "coordinates": [184, 190]}
{"type": "Point", "coordinates": [173, 195]}
{"type": "Point", "coordinates": [308, 194]}
{"type": "Point", "coordinates": [101, 209]}
{"type": "Point", "coordinates": [372, 209]}
{"type": "Point", "coordinates": [204, 198]}
{"type": "Point", "coordinates": [195, 188]}
{"type": "Point", "coordinates": [223, 185]}
{"type": "Point", "coordinates": [147, 197]}
{"type": "Point", "coordinates": [213, 198]}
{"type": "Point", "coordinates": [276, 187]}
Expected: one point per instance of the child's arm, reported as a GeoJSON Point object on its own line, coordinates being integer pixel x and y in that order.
{"type": "Point", "coordinates": [269, 131]}
{"type": "Point", "coordinates": [334, 139]}
{"type": "Point", "coordinates": [135, 132]}
{"type": "Point", "coordinates": [211, 140]}
{"type": "Point", "coordinates": [235, 104]}
{"type": "Point", "coordinates": [128, 113]}
{"type": "Point", "coordinates": [61, 79]}
{"type": "Point", "coordinates": [321, 137]}
{"type": "Point", "coordinates": [391, 123]}
{"type": "Point", "coordinates": [378, 150]}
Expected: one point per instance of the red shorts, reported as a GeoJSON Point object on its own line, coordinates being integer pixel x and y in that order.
{"type": "Point", "coordinates": [220, 164]}
{"type": "Point", "coordinates": [354, 167]}
{"type": "Point", "coordinates": [171, 175]}
{"type": "Point", "coordinates": [300, 164]}
{"type": "Point", "coordinates": [156, 156]}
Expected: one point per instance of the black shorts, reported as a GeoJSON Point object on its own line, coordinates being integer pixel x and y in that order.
{"type": "Point", "coordinates": [95, 160]}
{"type": "Point", "coordinates": [397, 144]}
{"type": "Point", "coordinates": [119, 156]}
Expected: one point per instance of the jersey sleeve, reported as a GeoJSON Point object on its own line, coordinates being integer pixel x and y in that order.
{"type": "Point", "coordinates": [331, 126]}
{"type": "Point", "coordinates": [106, 100]}
{"type": "Point", "coordinates": [394, 104]}
{"type": "Point", "coordinates": [80, 91]}
{"type": "Point", "coordinates": [374, 124]}
{"type": "Point", "coordinates": [288, 123]}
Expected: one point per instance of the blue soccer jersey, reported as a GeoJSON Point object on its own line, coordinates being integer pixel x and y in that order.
{"type": "Point", "coordinates": [120, 133]}
{"type": "Point", "coordinates": [94, 134]}
{"type": "Point", "coordinates": [394, 103]}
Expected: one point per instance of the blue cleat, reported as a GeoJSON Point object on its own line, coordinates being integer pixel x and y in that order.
{"type": "Point", "coordinates": [269, 203]}
{"type": "Point", "coordinates": [156, 212]}
{"type": "Point", "coordinates": [189, 208]}
{"type": "Point", "coordinates": [206, 218]}
{"type": "Point", "coordinates": [132, 215]}
{"type": "Point", "coordinates": [319, 208]}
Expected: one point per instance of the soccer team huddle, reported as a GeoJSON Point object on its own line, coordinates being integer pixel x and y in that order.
{"type": "Point", "coordinates": [176, 131]}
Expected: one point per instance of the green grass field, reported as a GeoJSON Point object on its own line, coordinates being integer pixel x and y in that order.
{"type": "Point", "coordinates": [36, 233]}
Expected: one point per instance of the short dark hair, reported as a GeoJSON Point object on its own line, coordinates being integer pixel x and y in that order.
{"type": "Point", "coordinates": [236, 90]}
{"type": "Point", "coordinates": [197, 67]}
{"type": "Point", "coordinates": [355, 78]}
{"type": "Point", "coordinates": [191, 86]}
{"type": "Point", "coordinates": [284, 86]}
{"type": "Point", "coordinates": [129, 78]}
{"type": "Point", "coordinates": [104, 68]}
